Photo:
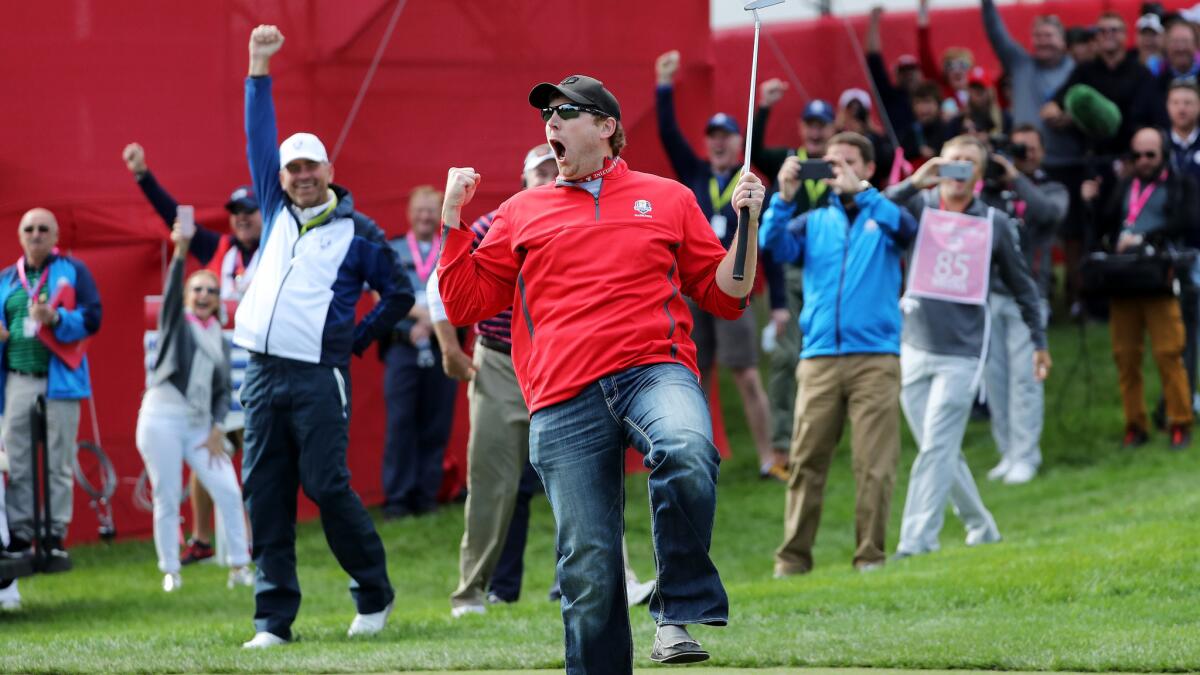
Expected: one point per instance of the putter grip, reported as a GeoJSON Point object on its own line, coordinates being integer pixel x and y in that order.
{"type": "Point", "coordinates": [743, 233]}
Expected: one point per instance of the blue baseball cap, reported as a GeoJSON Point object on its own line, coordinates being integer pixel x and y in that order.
{"type": "Point", "coordinates": [818, 109]}
{"type": "Point", "coordinates": [722, 122]}
{"type": "Point", "coordinates": [242, 200]}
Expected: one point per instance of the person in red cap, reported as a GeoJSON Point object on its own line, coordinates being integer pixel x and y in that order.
{"type": "Point", "coordinates": [596, 267]}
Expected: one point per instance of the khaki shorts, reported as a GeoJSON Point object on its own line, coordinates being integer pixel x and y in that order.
{"type": "Point", "coordinates": [733, 344]}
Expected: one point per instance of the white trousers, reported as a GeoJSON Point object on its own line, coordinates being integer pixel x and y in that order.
{"type": "Point", "coordinates": [165, 442]}
{"type": "Point", "coordinates": [936, 397]}
{"type": "Point", "coordinates": [9, 593]}
{"type": "Point", "coordinates": [1015, 398]}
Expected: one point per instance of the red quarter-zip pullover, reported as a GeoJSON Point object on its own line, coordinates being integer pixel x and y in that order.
{"type": "Point", "coordinates": [596, 283]}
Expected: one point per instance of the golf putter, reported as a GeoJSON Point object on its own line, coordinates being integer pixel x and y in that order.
{"type": "Point", "coordinates": [743, 226]}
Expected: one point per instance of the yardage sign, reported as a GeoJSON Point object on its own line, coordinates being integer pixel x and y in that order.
{"type": "Point", "coordinates": [952, 257]}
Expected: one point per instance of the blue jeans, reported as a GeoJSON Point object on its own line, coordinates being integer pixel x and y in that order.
{"type": "Point", "coordinates": [578, 448]}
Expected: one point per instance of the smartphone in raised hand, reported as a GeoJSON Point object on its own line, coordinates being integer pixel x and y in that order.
{"type": "Point", "coordinates": [815, 169]}
{"type": "Point", "coordinates": [957, 170]}
{"type": "Point", "coordinates": [186, 215]}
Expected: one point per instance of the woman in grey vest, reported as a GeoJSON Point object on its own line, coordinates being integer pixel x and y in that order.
{"type": "Point", "coordinates": [182, 414]}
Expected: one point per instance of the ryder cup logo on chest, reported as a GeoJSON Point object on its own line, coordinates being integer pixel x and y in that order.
{"type": "Point", "coordinates": [642, 208]}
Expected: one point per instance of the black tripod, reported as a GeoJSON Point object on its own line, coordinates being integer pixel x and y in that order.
{"type": "Point", "coordinates": [41, 559]}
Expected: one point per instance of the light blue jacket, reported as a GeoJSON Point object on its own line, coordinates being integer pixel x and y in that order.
{"type": "Point", "coordinates": [851, 271]}
{"type": "Point", "coordinates": [73, 325]}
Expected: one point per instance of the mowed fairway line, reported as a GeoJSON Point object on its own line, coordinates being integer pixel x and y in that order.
{"type": "Point", "coordinates": [1098, 571]}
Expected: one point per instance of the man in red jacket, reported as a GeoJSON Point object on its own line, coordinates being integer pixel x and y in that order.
{"type": "Point", "coordinates": [595, 267]}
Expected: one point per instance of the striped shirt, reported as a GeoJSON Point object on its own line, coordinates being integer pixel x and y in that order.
{"type": "Point", "coordinates": [498, 327]}
{"type": "Point", "coordinates": [24, 354]}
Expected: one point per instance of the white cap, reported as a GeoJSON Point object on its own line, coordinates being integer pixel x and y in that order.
{"type": "Point", "coordinates": [854, 94]}
{"type": "Point", "coordinates": [302, 146]}
{"type": "Point", "coordinates": [536, 156]}
{"type": "Point", "coordinates": [1150, 22]}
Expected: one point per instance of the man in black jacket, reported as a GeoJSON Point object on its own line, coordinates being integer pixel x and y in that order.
{"type": "Point", "coordinates": [1155, 207]}
{"type": "Point", "coordinates": [733, 344]}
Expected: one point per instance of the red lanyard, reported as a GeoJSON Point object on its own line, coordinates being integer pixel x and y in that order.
{"type": "Point", "coordinates": [33, 293]}
{"type": "Point", "coordinates": [1137, 200]}
{"type": "Point", "coordinates": [424, 265]}
{"type": "Point", "coordinates": [609, 165]}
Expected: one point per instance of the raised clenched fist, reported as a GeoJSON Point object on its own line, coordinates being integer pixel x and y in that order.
{"type": "Point", "coordinates": [461, 183]}
{"type": "Point", "coordinates": [771, 91]}
{"type": "Point", "coordinates": [265, 41]}
{"type": "Point", "coordinates": [135, 158]}
{"type": "Point", "coordinates": [666, 65]}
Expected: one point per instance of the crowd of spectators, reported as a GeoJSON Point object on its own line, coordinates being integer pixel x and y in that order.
{"type": "Point", "coordinates": [1086, 142]}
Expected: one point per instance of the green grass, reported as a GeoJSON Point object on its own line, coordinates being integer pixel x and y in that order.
{"type": "Point", "coordinates": [1098, 570]}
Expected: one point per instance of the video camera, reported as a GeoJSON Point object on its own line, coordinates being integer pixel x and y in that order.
{"type": "Point", "coordinates": [1148, 271]}
{"type": "Point", "coordinates": [1003, 146]}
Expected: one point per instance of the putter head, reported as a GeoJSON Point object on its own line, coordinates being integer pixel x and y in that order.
{"type": "Point", "coordinates": [755, 5]}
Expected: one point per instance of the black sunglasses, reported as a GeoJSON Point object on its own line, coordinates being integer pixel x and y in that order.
{"type": "Point", "coordinates": [569, 111]}
{"type": "Point", "coordinates": [28, 229]}
{"type": "Point", "coordinates": [1143, 155]}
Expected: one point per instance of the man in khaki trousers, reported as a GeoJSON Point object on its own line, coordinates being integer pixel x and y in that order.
{"type": "Point", "coordinates": [850, 251]}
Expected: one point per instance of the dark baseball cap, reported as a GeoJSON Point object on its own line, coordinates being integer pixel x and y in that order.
{"type": "Point", "coordinates": [242, 199]}
{"type": "Point", "coordinates": [818, 109]}
{"type": "Point", "coordinates": [579, 89]}
{"type": "Point", "coordinates": [722, 122]}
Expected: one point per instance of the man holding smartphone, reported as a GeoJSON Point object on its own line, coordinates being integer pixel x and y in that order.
{"type": "Point", "coordinates": [941, 347]}
{"type": "Point", "coordinates": [815, 128]}
{"type": "Point", "coordinates": [850, 252]}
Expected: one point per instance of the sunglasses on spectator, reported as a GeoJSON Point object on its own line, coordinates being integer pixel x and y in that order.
{"type": "Point", "coordinates": [211, 290]}
{"type": "Point", "coordinates": [569, 111]}
{"type": "Point", "coordinates": [1102, 30]}
{"type": "Point", "coordinates": [28, 229]}
{"type": "Point", "coordinates": [1143, 155]}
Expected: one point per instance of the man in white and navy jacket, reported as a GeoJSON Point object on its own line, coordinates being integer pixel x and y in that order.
{"type": "Point", "coordinates": [297, 321]}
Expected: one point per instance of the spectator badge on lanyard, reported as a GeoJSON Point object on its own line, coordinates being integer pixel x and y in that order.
{"type": "Point", "coordinates": [952, 257]}
{"type": "Point", "coordinates": [425, 265]}
{"type": "Point", "coordinates": [720, 199]}
{"type": "Point", "coordinates": [29, 327]}
{"type": "Point", "coordinates": [1138, 196]}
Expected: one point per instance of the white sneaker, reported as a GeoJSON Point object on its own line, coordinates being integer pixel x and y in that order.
{"type": "Point", "coordinates": [263, 640]}
{"type": "Point", "coordinates": [987, 535]}
{"type": "Point", "coordinates": [370, 624]}
{"type": "Point", "coordinates": [638, 592]}
{"type": "Point", "coordinates": [10, 598]}
{"type": "Point", "coordinates": [172, 582]}
{"type": "Point", "coordinates": [463, 610]}
{"type": "Point", "coordinates": [240, 576]}
{"type": "Point", "coordinates": [1000, 470]}
{"type": "Point", "coordinates": [1020, 473]}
